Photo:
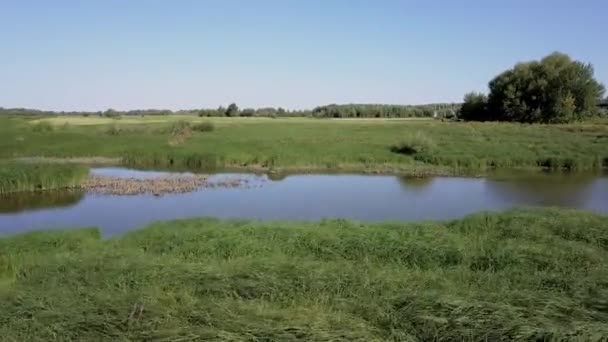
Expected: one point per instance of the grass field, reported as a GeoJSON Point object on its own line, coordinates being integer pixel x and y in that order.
{"type": "Point", "coordinates": [303, 144]}
{"type": "Point", "coordinates": [525, 275]}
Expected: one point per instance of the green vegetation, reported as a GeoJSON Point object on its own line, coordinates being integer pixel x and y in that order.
{"type": "Point", "coordinates": [555, 89]}
{"type": "Point", "coordinates": [203, 127]}
{"type": "Point", "coordinates": [442, 110]}
{"type": "Point", "coordinates": [33, 177]}
{"type": "Point", "coordinates": [521, 275]}
{"type": "Point", "coordinates": [302, 144]}
{"type": "Point", "coordinates": [414, 143]}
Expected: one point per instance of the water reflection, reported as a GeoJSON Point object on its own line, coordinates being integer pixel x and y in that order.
{"type": "Point", "coordinates": [25, 201]}
{"type": "Point", "coordinates": [415, 183]}
{"type": "Point", "coordinates": [542, 189]}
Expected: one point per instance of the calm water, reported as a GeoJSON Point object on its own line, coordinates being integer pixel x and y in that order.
{"type": "Point", "coordinates": [304, 197]}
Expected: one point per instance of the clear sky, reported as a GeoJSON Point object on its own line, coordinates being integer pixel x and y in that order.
{"type": "Point", "coordinates": [127, 54]}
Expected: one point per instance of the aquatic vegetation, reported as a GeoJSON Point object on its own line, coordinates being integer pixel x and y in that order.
{"type": "Point", "coordinates": [16, 177]}
{"type": "Point", "coordinates": [523, 275]}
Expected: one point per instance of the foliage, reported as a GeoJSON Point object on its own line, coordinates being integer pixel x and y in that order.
{"type": "Point", "coordinates": [521, 275]}
{"type": "Point", "coordinates": [474, 108]}
{"type": "Point", "coordinates": [413, 144]}
{"type": "Point", "coordinates": [206, 126]}
{"type": "Point", "coordinates": [385, 111]}
{"type": "Point", "coordinates": [248, 112]}
{"type": "Point", "coordinates": [111, 113]}
{"type": "Point", "coordinates": [180, 126]}
{"type": "Point", "coordinates": [16, 177]}
{"type": "Point", "coordinates": [555, 89]}
{"type": "Point", "coordinates": [233, 110]}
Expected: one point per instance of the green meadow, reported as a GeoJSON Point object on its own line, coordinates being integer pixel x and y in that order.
{"type": "Point", "coordinates": [415, 147]}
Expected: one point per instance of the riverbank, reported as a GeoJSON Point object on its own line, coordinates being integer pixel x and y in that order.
{"type": "Point", "coordinates": [526, 274]}
{"type": "Point", "coordinates": [417, 148]}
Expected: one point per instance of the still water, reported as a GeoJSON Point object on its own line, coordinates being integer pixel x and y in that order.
{"type": "Point", "coordinates": [303, 197]}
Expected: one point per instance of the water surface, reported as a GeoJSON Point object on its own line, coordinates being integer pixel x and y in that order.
{"type": "Point", "coordinates": [304, 197]}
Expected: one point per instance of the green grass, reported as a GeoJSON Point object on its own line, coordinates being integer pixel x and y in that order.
{"type": "Point", "coordinates": [301, 144]}
{"type": "Point", "coordinates": [15, 177]}
{"type": "Point", "coordinates": [521, 275]}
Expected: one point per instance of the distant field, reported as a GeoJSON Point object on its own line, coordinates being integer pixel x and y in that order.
{"type": "Point", "coordinates": [90, 121]}
{"type": "Point", "coordinates": [304, 144]}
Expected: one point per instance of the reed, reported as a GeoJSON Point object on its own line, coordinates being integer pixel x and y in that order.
{"type": "Point", "coordinates": [15, 177]}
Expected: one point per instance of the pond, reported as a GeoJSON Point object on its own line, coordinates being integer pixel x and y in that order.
{"type": "Point", "coordinates": [303, 197]}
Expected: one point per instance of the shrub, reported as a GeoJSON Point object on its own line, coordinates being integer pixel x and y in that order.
{"type": "Point", "coordinates": [414, 144]}
{"type": "Point", "coordinates": [42, 126]}
{"type": "Point", "coordinates": [180, 126]}
{"type": "Point", "coordinates": [203, 127]}
{"type": "Point", "coordinates": [113, 130]}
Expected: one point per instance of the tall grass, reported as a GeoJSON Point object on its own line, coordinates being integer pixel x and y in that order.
{"type": "Point", "coordinates": [16, 177]}
{"type": "Point", "coordinates": [522, 275]}
{"type": "Point", "coordinates": [416, 143]}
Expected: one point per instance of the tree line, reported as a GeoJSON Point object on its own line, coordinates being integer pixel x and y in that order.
{"type": "Point", "coordinates": [441, 110]}
{"type": "Point", "coordinates": [330, 111]}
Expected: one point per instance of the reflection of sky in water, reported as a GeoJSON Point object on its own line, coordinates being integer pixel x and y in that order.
{"type": "Point", "coordinates": [312, 197]}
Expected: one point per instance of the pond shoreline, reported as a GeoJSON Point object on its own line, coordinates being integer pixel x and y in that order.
{"type": "Point", "coordinates": [420, 170]}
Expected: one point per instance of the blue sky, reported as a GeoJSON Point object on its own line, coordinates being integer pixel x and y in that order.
{"type": "Point", "coordinates": [93, 55]}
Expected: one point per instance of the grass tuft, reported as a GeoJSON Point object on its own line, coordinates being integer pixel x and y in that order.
{"type": "Point", "coordinates": [414, 144]}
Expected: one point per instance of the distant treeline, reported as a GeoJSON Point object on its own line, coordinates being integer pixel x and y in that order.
{"type": "Point", "coordinates": [441, 110]}
{"type": "Point", "coordinates": [330, 111]}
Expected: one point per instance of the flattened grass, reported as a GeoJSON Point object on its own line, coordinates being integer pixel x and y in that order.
{"type": "Point", "coordinates": [520, 275]}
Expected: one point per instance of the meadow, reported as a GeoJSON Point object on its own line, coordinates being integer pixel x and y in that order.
{"type": "Point", "coordinates": [405, 146]}
{"type": "Point", "coordinates": [520, 275]}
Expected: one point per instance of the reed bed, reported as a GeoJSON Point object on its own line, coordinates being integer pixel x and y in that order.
{"type": "Point", "coordinates": [16, 177]}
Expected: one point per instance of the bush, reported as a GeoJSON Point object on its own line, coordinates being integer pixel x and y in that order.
{"type": "Point", "coordinates": [42, 126]}
{"type": "Point", "coordinates": [113, 130]}
{"type": "Point", "coordinates": [203, 127]}
{"type": "Point", "coordinates": [180, 126]}
{"type": "Point", "coordinates": [414, 144]}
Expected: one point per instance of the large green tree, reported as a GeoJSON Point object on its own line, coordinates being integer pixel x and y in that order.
{"type": "Point", "coordinates": [233, 110]}
{"type": "Point", "coordinates": [553, 90]}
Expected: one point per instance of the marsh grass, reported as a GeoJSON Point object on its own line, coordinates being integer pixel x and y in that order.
{"type": "Point", "coordinates": [15, 177]}
{"type": "Point", "coordinates": [520, 275]}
